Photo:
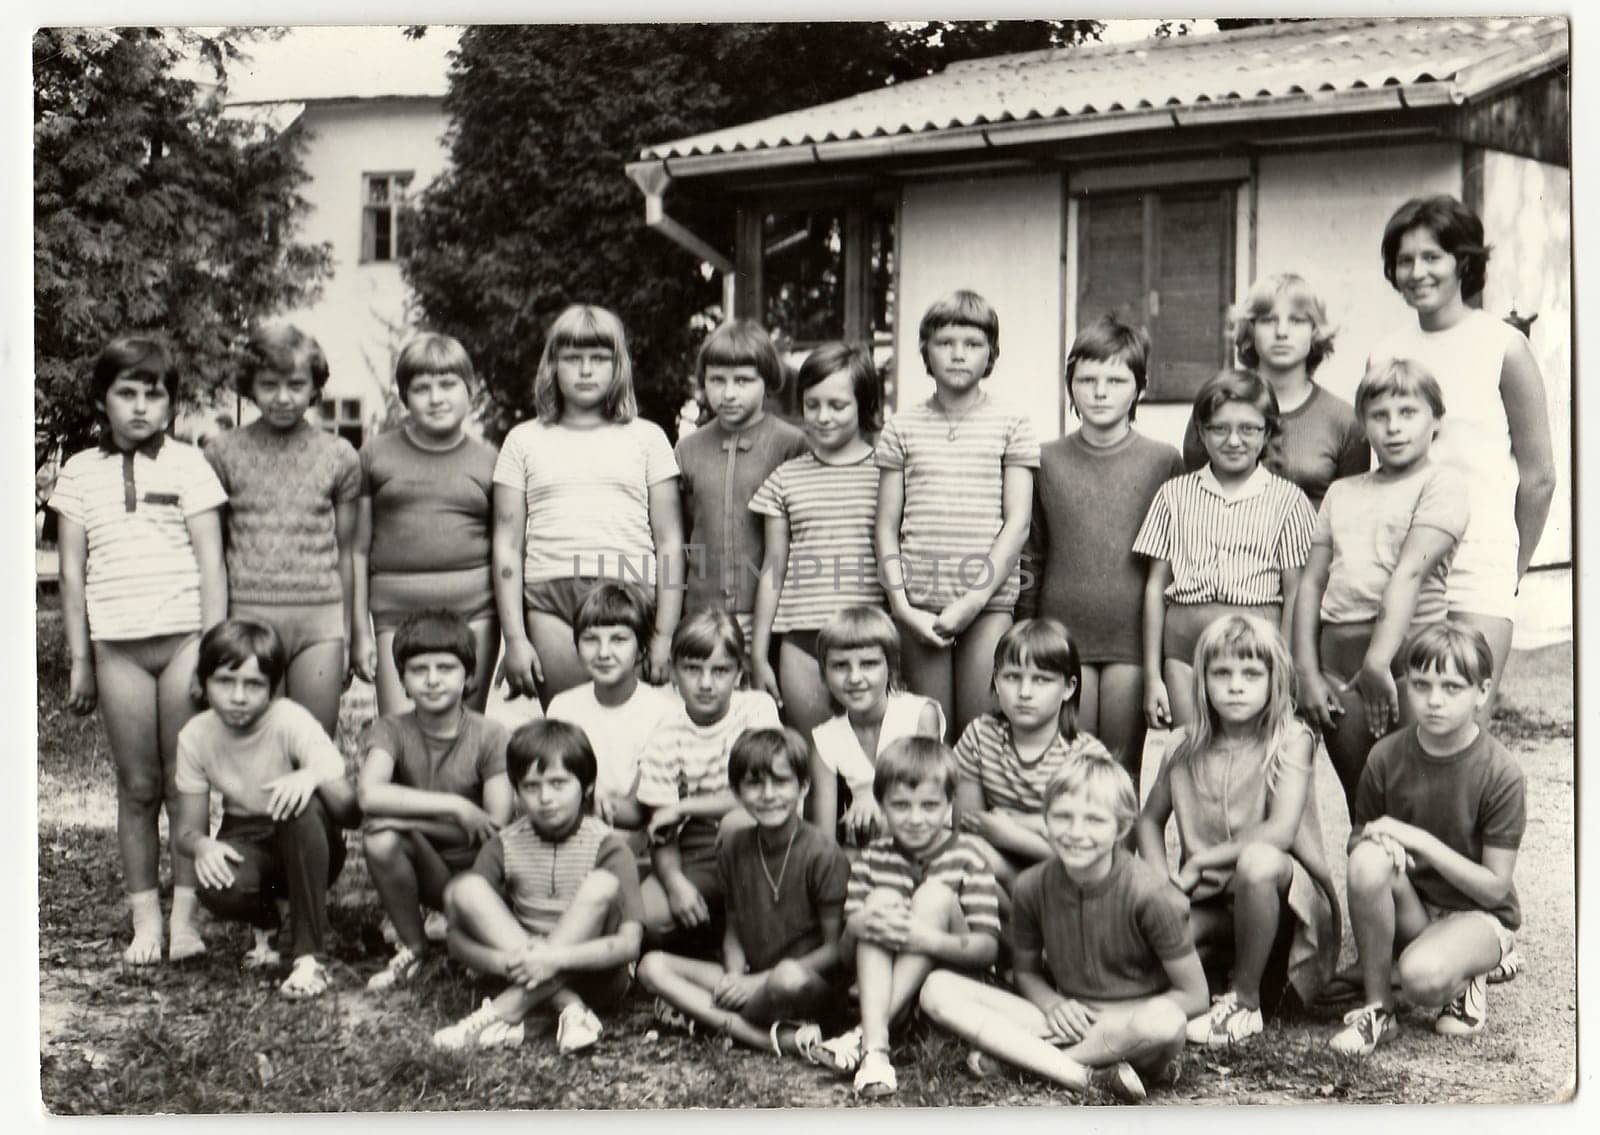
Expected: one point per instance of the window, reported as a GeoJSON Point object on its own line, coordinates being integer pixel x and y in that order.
{"type": "Point", "coordinates": [383, 205]}
{"type": "Point", "coordinates": [342, 416]}
{"type": "Point", "coordinates": [1165, 259]}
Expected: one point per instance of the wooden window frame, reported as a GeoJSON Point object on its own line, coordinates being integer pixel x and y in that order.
{"type": "Point", "coordinates": [399, 186]}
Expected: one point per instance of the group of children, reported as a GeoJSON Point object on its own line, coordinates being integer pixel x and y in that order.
{"type": "Point", "coordinates": [743, 765]}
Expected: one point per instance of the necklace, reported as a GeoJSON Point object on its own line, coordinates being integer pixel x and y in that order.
{"type": "Point", "coordinates": [761, 854]}
{"type": "Point", "coordinates": [955, 424]}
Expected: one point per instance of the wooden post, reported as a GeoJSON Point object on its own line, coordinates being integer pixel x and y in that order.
{"type": "Point", "coordinates": [747, 255]}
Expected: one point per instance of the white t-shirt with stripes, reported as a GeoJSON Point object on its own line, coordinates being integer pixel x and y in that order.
{"type": "Point", "coordinates": [588, 493]}
{"type": "Point", "coordinates": [830, 510]}
{"type": "Point", "coordinates": [142, 578]}
{"type": "Point", "coordinates": [1228, 549]}
{"type": "Point", "coordinates": [953, 496]}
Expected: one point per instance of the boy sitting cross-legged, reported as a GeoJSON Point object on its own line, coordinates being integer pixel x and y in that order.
{"type": "Point", "coordinates": [1438, 817]}
{"type": "Point", "coordinates": [283, 790]}
{"type": "Point", "coordinates": [433, 784]}
{"type": "Point", "coordinates": [784, 887]}
{"type": "Point", "coordinates": [919, 897]}
{"type": "Point", "coordinates": [552, 902]}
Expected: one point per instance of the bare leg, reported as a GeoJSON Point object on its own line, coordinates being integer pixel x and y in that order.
{"type": "Point", "coordinates": [405, 870]}
{"type": "Point", "coordinates": [1261, 879]}
{"type": "Point", "coordinates": [391, 694]}
{"type": "Point", "coordinates": [128, 708]}
{"type": "Point", "coordinates": [486, 640]}
{"type": "Point", "coordinates": [1147, 1033]}
{"type": "Point", "coordinates": [1444, 957]}
{"type": "Point", "coordinates": [1000, 1023]}
{"type": "Point", "coordinates": [974, 665]}
{"type": "Point", "coordinates": [1498, 632]}
{"type": "Point", "coordinates": [1121, 718]}
{"type": "Point", "coordinates": [929, 671]}
{"type": "Point", "coordinates": [176, 708]}
{"type": "Point", "coordinates": [1384, 911]}
{"type": "Point", "coordinates": [805, 694]}
{"type": "Point", "coordinates": [1179, 677]}
{"type": "Point", "coordinates": [316, 679]}
{"type": "Point", "coordinates": [558, 655]}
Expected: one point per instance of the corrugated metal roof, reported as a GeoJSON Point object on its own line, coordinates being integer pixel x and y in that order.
{"type": "Point", "coordinates": [1321, 66]}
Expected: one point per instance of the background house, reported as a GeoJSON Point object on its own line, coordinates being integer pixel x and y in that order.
{"type": "Point", "coordinates": [1157, 179]}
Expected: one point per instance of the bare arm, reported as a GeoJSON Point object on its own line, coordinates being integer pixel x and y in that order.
{"type": "Point", "coordinates": [1016, 511]}
{"type": "Point", "coordinates": [380, 796]}
{"type": "Point", "coordinates": [1522, 391]}
{"type": "Point", "coordinates": [362, 651]}
{"type": "Point", "coordinates": [1291, 590]}
{"type": "Point", "coordinates": [666, 529]}
{"type": "Point", "coordinates": [1035, 555]}
{"type": "Point", "coordinates": [344, 532]}
{"type": "Point", "coordinates": [73, 545]}
{"type": "Point", "coordinates": [970, 949]}
{"type": "Point", "coordinates": [1151, 828]}
{"type": "Point", "coordinates": [824, 798]}
{"type": "Point", "coordinates": [886, 538]}
{"type": "Point", "coordinates": [1420, 555]}
{"type": "Point", "coordinates": [1485, 883]}
{"type": "Point", "coordinates": [1157, 708]}
{"type": "Point", "coordinates": [1188, 980]}
{"type": "Point", "coordinates": [521, 662]}
{"type": "Point", "coordinates": [769, 589]}
{"type": "Point", "coordinates": [205, 535]}
{"type": "Point", "coordinates": [604, 953]}
{"type": "Point", "coordinates": [194, 813]}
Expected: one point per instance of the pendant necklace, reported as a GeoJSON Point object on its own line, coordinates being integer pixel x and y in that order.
{"type": "Point", "coordinates": [761, 855]}
{"type": "Point", "coordinates": [954, 425]}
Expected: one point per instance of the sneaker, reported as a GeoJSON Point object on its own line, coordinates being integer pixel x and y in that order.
{"type": "Point", "coordinates": [436, 927]}
{"type": "Point", "coordinates": [484, 1028]}
{"type": "Point", "coordinates": [1466, 1014]}
{"type": "Point", "coordinates": [842, 1053]}
{"type": "Point", "coordinates": [1509, 967]}
{"type": "Point", "coordinates": [875, 1077]}
{"type": "Point", "coordinates": [1120, 1081]}
{"type": "Point", "coordinates": [668, 1015]}
{"type": "Point", "coordinates": [404, 966]}
{"type": "Point", "coordinates": [1227, 1023]}
{"type": "Point", "coordinates": [1365, 1029]}
{"type": "Point", "coordinates": [576, 1029]}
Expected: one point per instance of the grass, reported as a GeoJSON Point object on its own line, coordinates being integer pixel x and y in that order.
{"type": "Point", "coordinates": [206, 1037]}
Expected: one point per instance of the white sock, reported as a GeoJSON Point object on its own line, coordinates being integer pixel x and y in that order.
{"type": "Point", "coordinates": [263, 937]}
{"type": "Point", "coordinates": [146, 909]}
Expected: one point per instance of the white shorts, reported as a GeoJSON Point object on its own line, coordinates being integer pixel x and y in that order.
{"type": "Point", "coordinates": [1483, 579]}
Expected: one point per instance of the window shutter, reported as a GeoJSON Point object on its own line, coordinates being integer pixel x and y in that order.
{"type": "Point", "coordinates": [1193, 266]}
{"type": "Point", "coordinates": [1111, 260]}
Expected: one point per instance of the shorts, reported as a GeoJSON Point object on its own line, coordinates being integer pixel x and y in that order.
{"type": "Point", "coordinates": [805, 641]}
{"type": "Point", "coordinates": [152, 655]}
{"type": "Point", "coordinates": [697, 851]}
{"type": "Point", "coordinates": [1342, 647]}
{"type": "Point", "coordinates": [394, 595]}
{"type": "Point", "coordinates": [558, 597]}
{"type": "Point", "coordinates": [300, 625]}
{"type": "Point", "coordinates": [1503, 933]}
{"type": "Point", "coordinates": [1185, 622]}
{"type": "Point", "coordinates": [1483, 579]}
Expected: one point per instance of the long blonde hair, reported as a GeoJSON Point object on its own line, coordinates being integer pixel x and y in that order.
{"type": "Point", "coordinates": [585, 325]}
{"type": "Point", "coordinates": [1253, 638]}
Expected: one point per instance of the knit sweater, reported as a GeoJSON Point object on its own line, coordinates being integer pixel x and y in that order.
{"type": "Point", "coordinates": [282, 492]}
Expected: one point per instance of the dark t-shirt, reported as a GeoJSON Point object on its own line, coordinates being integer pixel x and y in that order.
{"type": "Point", "coordinates": [1105, 941]}
{"type": "Point", "coordinates": [430, 508]}
{"type": "Point", "coordinates": [461, 766]}
{"type": "Point", "coordinates": [1469, 801]}
{"type": "Point", "coordinates": [790, 926]}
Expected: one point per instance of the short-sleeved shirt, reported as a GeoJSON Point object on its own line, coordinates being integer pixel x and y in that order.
{"type": "Point", "coordinates": [684, 759]}
{"type": "Point", "coordinates": [811, 877]}
{"type": "Point", "coordinates": [721, 472]}
{"type": "Point", "coordinates": [284, 490]}
{"type": "Point", "coordinates": [830, 510]}
{"type": "Point", "coordinates": [284, 739]}
{"type": "Point", "coordinates": [1318, 442]}
{"type": "Point", "coordinates": [540, 877]}
{"type": "Point", "coordinates": [588, 497]}
{"type": "Point", "coordinates": [459, 765]}
{"type": "Point", "coordinates": [958, 864]}
{"type": "Point", "coordinates": [987, 754]}
{"type": "Point", "coordinates": [1078, 565]}
{"type": "Point", "coordinates": [142, 578]}
{"type": "Point", "coordinates": [840, 749]}
{"type": "Point", "coordinates": [1227, 549]}
{"type": "Point", "coordinates": [1107, 940]}
{"type": "Point", "coordinates": [1365, 521]}
{"type": "Point", "coordinates": [431, 509]}
{"type": "Point", "coordinates": [1468, 801]}
{"type": "Point", "coordinates": [617, 733]}
{"type": "Point", "coordinates": [954, 470]}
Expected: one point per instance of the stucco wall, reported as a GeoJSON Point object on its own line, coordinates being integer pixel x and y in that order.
{"type": "Point", "coordinates": [1001, 237]}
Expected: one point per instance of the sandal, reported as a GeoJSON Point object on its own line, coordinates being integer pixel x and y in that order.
{"type": "Point", "coordinates": [1510, 965]}
{"type": "Point", "coordinates": [842, 1053]}
{"type": "Point", "coordinates": [875, 1078]}
{"type": "Point", "coordinates": [309, 978]}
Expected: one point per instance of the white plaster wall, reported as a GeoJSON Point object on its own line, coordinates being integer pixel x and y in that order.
{"type": "Point", "coordinates": [1002, 238]}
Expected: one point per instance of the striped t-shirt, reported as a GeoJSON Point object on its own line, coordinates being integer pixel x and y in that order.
{"type": "Point", "coordinates": [958, 864]}
{"type": "Point", "coordinates": [986, 754]}
{"type": "Point", "coordinates": [830, 510]}
{"type": "Point", "coordinates": [142, 579]}
{"type": "Point", "coordinates": [540, 878]}
{"type": "Point", "coordinates": [954, 477]}
{"type": "Point", "coordinates": [588, 497]}
{"type": "Point", "coordinates": [1227, 549]}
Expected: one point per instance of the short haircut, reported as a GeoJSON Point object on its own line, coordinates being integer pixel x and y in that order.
{"type": "Point", "coordinates": [1044, 644]}
{"type": "Point", "coordinates": [612, 603]}
{"type": "Point", "coordinates": [142, 357]}
{"type": "Point", "coordinates": [757, 750]}
{"type": "Point", "coordinates": [233, 642]}
{"type": "Point", "coordinates": [1439, 645]}
{"type": "Point", "coordinates": [960, 309]}
{"type": "Point", "coordinates": [1106, 340]}
{"type": "Point", "coordinates": [831, 358]}
{"type": "Point", "coordinates": [1265, 293]}
{"type": "Point", "coordinates": [582, 326]}
{"type": "Point", "coordinates": [699, 635]}
{"type": "Point", "coordinates": [432, 353]}
{"type": "Point", "coordinates": [1238, 386]}
{"type": "Point", "coordinates": [740, 343]}
{"type": "Point", "coordinates": [1097, 775]}
{"type": "Point", "coordinates": [1458, 230]}
{"type": "Point", "coordinates": [1406, 378]}
{"type": "Point", "coordinates": [854, 628]}
{"type": "Point", "coordinates": [911, 760]}
{"type": "Point", "coordinates": [434, 631]}
{"type": "Point", "coordinates": [546, 740]}
{"type": "Point", "coordinates": [282, 347]}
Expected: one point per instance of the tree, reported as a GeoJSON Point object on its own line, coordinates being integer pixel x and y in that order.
{"type": "Point", "coordinates": [153, 211]}
{"type": "Point", "coordinates": [535, 211]}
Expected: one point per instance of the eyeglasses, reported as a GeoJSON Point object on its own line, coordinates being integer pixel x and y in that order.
{"type": "Point", "coordinates": [1246, 432]}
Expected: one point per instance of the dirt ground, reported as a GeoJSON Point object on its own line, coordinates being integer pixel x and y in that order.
{"type": "Point", "coordinates": [204, 1037]}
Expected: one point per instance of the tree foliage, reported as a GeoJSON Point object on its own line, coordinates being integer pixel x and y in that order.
{"type": "Point", "coordinates": [153, 211]}
{"type": "Point", "coordinates": [536, 212]}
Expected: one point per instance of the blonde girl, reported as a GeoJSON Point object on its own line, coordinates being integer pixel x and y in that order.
{"type": "Point", "coordinates": [587, 491]}
{"type": "Point", "coordinates": [1239, 783]}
